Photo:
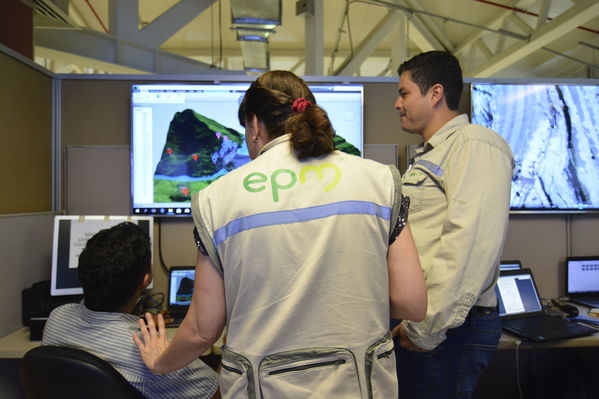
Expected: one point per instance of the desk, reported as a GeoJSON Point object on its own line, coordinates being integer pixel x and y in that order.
{"type": "Point", "coordinates": [565, 368]}
{"type": "Point", "coordinates": [16, 344]}
{"type": "Point", "coordinates": [508, 341]}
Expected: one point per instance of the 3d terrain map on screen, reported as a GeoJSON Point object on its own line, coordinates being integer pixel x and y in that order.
{"type": "Point", "coordinates": [197, 151]}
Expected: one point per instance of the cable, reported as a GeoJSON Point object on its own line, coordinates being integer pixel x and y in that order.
{"type": "Point", "coordinates": [339, 32]}
{"type": "Point", "coordinates": [517, 343]}
{"type": "Point", "coordinates": [162, 263]}
{"type": "Point", "coordinates": [148, 302]}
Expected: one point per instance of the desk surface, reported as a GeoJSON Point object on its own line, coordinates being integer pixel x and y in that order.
{"type": "Point", "coordinates": [16, 344]}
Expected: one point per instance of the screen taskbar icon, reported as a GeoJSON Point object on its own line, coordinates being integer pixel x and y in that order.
{"type": "Point", "coordinates": [162, 211]}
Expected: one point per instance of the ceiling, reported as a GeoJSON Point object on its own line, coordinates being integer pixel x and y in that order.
{"type": "Point", "coordinates": [492, 38]}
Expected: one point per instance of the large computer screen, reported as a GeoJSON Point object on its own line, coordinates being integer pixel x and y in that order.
{"type": "Point", "coordinates": [185, 136]}
{"type": "Point", "coordinates": [553, 130]}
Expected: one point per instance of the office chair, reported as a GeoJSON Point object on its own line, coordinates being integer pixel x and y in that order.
{"type": "Point", "coordinates": [63, 372]}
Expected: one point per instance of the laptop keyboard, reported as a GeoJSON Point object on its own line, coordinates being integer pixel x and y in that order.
{"type": "Point", "coordinates": [546, 327]}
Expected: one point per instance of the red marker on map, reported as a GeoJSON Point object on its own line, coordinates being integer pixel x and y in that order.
{"type": "Point", "coordinates": [195, 157]}
{"type": "Point", "coordinates": [218, 135]}
{"type": "Point", "coordinates": [185, 190]}
{"type": "Point", "coordinates": [169, 151]}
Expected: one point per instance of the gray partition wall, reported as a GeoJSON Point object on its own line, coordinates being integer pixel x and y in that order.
{"type": "Point", "coordinates": [26, 131]}
{"type": "Point", "coordinates": [26, 170]}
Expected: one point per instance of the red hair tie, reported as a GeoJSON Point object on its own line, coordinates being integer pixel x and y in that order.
{"type": "Point", "coordinates": [300, 105]}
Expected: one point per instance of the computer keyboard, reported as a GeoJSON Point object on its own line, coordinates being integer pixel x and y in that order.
{"type": "Point", "coordinates": [546, 327]}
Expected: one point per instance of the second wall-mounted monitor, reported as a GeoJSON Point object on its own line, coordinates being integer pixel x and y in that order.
{"type": "Point", "coordinates": [185, 136]}
{"type": "Point", "coordinates": [553, 130]}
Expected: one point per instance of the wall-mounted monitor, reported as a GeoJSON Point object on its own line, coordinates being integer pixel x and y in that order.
{"type": "Point", "coordinates": [185, 136]}
{"type": "Point", "coordinates": [553, 130]}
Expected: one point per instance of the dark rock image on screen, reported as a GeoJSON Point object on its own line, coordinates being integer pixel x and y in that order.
{"type": "Point", "coordinates": [553, 131]}
{"type": "Point", "coordinates": [185, 286]}
{"type": "Point", "coordinates": [197, 151]}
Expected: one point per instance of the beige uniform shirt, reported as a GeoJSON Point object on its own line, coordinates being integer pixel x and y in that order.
{"type": "Point", "coordinates": [459, 187]}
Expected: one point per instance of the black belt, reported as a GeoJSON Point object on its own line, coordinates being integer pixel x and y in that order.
{"type": "Point", "coordinates": [482, 310]}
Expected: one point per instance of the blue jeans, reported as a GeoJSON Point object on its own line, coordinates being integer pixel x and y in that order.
{"type": "Point", "coordinates": [451, 369]}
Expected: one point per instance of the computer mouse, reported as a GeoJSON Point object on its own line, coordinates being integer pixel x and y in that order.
{"type": "Point", "coordinates": [570, 310]}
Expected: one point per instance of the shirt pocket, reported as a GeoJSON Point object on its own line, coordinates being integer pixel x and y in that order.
{"type": "Point", "coordinates": [381, 377]}
{"type": "Point", "coordinates": [310, 373]}
{"type": "Point", "coordinates": [236, 376]}
{"type": "Point", "coordinates": [413, 183]}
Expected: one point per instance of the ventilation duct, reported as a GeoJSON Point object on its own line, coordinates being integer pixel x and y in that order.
{"type": "Point", "coordinates": [51, 14]}
{"type": "Point", "coordinates": [254, 21]}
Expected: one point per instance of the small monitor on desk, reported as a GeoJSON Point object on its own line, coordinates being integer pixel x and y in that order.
{"type": "Point", "coordinates": [70, 236]}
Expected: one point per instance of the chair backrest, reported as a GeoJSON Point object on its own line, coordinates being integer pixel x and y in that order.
{"type": "Point", "coordinates": [63, 372]}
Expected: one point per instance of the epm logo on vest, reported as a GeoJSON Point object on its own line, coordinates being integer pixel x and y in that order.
{"type": "Point", "coordinates": [285, 179]}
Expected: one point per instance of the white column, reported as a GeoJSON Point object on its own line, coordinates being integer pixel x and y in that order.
{"type": "Point", "coordinates": [314, 46]}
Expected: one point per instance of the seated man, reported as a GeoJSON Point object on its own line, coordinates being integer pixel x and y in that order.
{"type": "Point", "coordinates": [114, 269]}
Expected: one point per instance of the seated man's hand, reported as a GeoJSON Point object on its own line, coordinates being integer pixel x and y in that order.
{"type": "Point", "coordinates": [153, 341]}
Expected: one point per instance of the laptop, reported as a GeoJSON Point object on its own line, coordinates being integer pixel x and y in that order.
{"type": "Point", "coordinates": [180, 290]}
{"type": "Point", "coordinates": [522, 312]}
{"type": "Point", "coordinates": [582, 280]}
{"type": "Point", "coordinates": [510, 265]}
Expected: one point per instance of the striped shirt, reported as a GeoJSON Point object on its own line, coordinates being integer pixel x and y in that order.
{"type": "Point", "coordinates": [108, 336]}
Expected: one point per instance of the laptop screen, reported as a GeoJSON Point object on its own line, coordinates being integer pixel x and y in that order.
{"type": "Point", "coordinates": [517, 293]}
{"type": "Point", "coordinates": [181, 281]}
{"type": "Point", "coordinates": [582, 275]}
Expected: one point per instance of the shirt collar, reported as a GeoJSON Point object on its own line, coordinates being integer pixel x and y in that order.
{"type": "Point", "coordinates": [446, 130]}
{"type": "Point", "coordinates": [273, 143]}
{"type": "Point", "coordinates": [93, 316]}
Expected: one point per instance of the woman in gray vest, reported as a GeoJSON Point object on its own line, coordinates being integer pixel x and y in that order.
{"type": "Point", "coordinates": [304, 255]}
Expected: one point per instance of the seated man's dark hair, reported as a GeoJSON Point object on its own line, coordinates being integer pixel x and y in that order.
{"type": "Point", "coordinates": [112, 266]}
{"type": "Point", "coordinates": [432, 67]}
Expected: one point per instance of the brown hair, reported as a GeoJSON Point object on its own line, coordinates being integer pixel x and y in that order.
{"type": "Point", "coordinates": [270, 99]}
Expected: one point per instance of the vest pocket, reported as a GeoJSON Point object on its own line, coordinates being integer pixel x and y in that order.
{"type": "Point", "coordinates": [381, 376]}
{"type": "Point", "coordinates": [236, 376]}
{"type": "Point", "coordinates": [310, 373]}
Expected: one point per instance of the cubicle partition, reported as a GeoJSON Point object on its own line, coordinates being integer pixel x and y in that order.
{"type": "Point", "coordinates": [26, 178]}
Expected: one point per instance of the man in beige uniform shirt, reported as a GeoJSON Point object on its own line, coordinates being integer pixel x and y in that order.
{"type": "Point", "coordinates": [459, 187]}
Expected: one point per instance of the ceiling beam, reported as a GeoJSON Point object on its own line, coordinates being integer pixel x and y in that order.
{"type": "Point", "coordinates": [351, 64]}
{"type": "Point", "coordinates": [109, 49]}
{"type": "Point", "coordinates": [124, 16]}
{"type": "Point", "coordinates": [569, 20]}
{"type": "Point", "coordinates": [520, 24]}
{"type": "Point", "coordinates": [543, 13]}
{"type": "Point", "coordinates": [298, 52]}
{"type": "Point", "coordinates": [492, 23]}
{"type": "Point", "coordinates": [495, 22]}
{"type": "Point", "coordinates": [172, 21]}
{"type": "Point", "coordinates": [430, 25]}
